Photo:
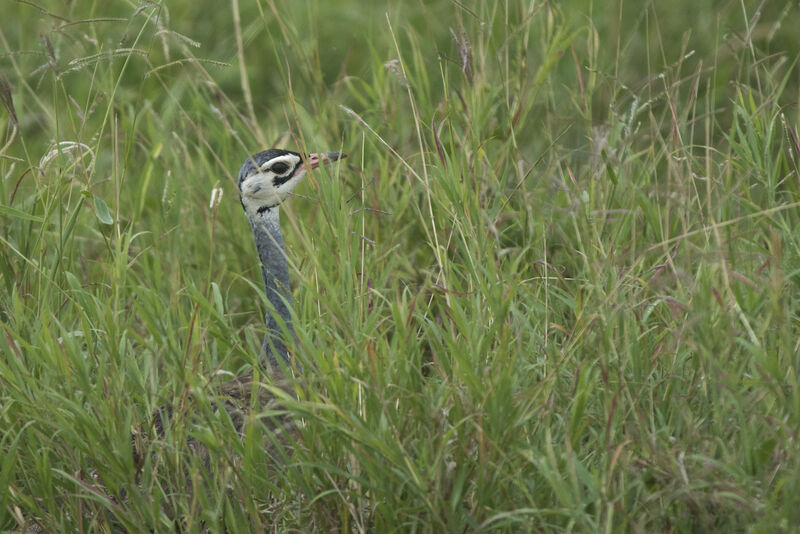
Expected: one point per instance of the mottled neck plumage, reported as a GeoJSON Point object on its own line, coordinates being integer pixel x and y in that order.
{"type": "Point", "coordinates": [275, 271]}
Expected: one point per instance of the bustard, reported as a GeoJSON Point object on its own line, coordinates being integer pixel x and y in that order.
{"type": "Point", "coordinates": [265, 180]}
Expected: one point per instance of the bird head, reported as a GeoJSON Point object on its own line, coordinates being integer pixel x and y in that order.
{"type": "Point", "coordinates": [267, 178]}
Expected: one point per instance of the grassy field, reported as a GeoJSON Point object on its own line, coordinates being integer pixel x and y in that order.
{"type": "Point", "coordinates": [554, 287]}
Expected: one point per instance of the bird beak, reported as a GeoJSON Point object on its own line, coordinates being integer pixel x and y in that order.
{"type": "Point", "coordinates": [315, 160]}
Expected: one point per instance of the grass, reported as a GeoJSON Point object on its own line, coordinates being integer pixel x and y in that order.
{"type": "Point", "coordinates": [554, 287]}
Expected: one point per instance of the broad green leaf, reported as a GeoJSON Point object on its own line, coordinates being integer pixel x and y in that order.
{"type": "Point", "coordinates": [101, 209]}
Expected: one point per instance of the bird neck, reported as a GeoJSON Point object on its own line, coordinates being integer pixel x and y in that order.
{"type": "Point", "coordinates": [275, 271]}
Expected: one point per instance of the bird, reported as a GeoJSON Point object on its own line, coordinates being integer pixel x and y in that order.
{"type": "Point", "coordinates": [267, 179]}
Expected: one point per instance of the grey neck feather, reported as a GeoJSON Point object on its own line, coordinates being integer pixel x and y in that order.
{"type": "Point", "coordinates": [275, 271]}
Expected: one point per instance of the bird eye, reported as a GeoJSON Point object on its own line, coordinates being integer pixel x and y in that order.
{"type": "Point", "coordinates": [279, 168]}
